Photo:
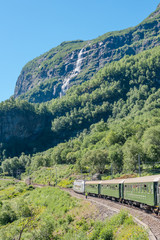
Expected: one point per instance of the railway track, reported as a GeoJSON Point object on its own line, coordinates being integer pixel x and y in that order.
{"type": "Point", "coordinates": [108, 208]}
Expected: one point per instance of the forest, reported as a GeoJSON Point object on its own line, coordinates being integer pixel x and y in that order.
{"type": "Point", "coordinates": [106, 121]}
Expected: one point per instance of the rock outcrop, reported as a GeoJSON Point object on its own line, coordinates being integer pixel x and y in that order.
{"type": "Point", "coordinates": [52, 74]}
{"type": "Point", "coordinates": [23, 130]}
{"type": "Point", "coordinates": [20, 125]}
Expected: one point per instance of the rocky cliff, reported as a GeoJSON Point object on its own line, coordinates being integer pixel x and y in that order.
{"type": "Point", "coordinates": [22, 129]}
{"type": "Point", "coordinates": [53, 73]}
{"type": "Point", "coordinates": [20, 124]}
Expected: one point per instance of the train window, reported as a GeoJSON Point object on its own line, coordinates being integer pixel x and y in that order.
{"type": "Point", "coordinates": [144, 188]}
{"type": "Point", "coordinates": [149, 189]}
{"type": "Point", "coordinates": [140, 188]}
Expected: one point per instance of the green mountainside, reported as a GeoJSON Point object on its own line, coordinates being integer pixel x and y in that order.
{"type": "Point", "coordinates": [84, 108]}
{"type": "Point", "coordinates": [116, 108]}
{"type": "Point", "coordinates": [72, 63]}
{"type": "Point", "coordinates": [124, 96]}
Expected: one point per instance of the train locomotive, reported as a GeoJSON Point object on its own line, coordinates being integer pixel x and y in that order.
{"type": "Point", "coordinates": [143, 192]}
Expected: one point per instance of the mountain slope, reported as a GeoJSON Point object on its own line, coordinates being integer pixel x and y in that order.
{"type": "Point", "coordinates": [53, 73]}
{"type": "Point", "coordinates": [120, 88]}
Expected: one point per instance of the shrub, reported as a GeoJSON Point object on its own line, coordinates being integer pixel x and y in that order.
{"type": "Point", "coordinates": [106, 233]}
{"type": "Point", "coordinates": [46, 231]}
{"type": "Point", "coordinates": [69, 219]}
{"type": "Point", "coordinates": [7, 215]}
{"type": "Point", "coordinates": [97, 229]}
{"type": "Point", "coordinates": [23, 209]}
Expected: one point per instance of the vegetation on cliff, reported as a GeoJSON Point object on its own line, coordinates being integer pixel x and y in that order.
{"type": "Point", "coordinates": [107, 121]}
{"type": "Point", "coordinates": [42, 78]}
{"type": "Point", "coordinates": [115, 115]}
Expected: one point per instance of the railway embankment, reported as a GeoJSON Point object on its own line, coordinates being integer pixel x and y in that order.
{"type": "Point", "coordinates": [108, 208]}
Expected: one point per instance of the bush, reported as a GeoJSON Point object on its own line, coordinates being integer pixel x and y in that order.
{"type": "Point", "coordinates": [106, 233]}
{"type": "Point", "coordinates": [97, 229]}
{"type": "Point", "coordinates": [7, 215]}
{"type": "Point", "coordinates": [133, 232]}
{"type": "Point", "coordinates": [23, 209]}
{"type": "Point", "coordinates": [69, 219]}
{"type": "Point", "coordinates": [46, 231]}
{"type": "Point", "coordinates": [30, 187]}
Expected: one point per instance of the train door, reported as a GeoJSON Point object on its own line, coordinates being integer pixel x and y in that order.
{"type": "Point", "coordinates": [158, 194]}
{"type": "Point", "coordinates": [99, 189]}
{"type": "Point", "coordinates": [121, 190]}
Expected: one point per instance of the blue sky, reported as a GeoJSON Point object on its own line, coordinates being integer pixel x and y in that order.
{"type": "Point", "coordinates": [30, 28]}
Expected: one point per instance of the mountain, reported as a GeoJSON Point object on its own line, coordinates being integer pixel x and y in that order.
{"type": "Point", "coordinates": [121, 88]}
{"type": "Point", "coordinates": [72, 63]}
{"type": "Point", "coordinates": [126, 87]}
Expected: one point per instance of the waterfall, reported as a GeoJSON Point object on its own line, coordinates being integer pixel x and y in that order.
{"type": "Point", "coordinates": [75, 72]}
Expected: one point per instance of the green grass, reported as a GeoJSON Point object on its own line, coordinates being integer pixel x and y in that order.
{"type": "Point", "coordinates": [62, 174]}
{"type": "Point", "coordinates": [50, 213]}
{"type": "Point", "coordinates": [11, 189]}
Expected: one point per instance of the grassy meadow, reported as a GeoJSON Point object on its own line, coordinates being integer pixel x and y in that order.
{"type": "Point", "coordinates": [49, 213]}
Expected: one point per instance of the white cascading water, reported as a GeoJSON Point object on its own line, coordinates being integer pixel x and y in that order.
{"type": "Point", "coordinates": [75, 72]}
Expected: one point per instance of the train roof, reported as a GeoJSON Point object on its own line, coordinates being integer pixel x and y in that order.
{"type": "Point", "coordinates": [93, 182]}
{"type": "Point", "coordinates": [153, 178]}
{"type": "Point", "coordinates": [79, 180]}
{"type": "Point", "coordinates": [113, 181]}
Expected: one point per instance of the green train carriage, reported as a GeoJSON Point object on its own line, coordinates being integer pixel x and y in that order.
{"type": "Point", "coordinates": [92, 187]}
{"type": "Point", "coordinates": [107, 188]}
{"type": "Point", "coordinates": [143, 190]}
{"type": "Point", "coordinates": [112, 188]}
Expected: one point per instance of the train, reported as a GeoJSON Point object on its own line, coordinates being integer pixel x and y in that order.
{"type": "Point", "coordinates": [143, 192]}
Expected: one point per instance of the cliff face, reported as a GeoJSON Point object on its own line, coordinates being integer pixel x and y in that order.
{"type": "Point", "coordinates": [52, 74]}
{"type": "Point", "coordinates": [22, 130]}
{"type": "Point", "coordinates": [20, 125]}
